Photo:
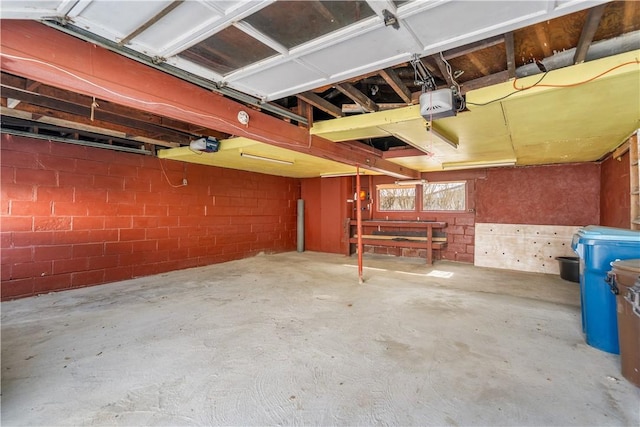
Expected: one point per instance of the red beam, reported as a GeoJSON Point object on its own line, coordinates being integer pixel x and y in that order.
{"type": "Point", "coordinates": [403, 152]}
{"type": "Point", "coordinates": [35, 51]}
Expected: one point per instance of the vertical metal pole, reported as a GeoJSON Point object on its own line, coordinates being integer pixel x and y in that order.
{"type": "Point", "coordinates": [359, 225]}
{"type": "Point", "coordinates": [300, 225]}
{"type": "Point", "coordinates": [371, 197]}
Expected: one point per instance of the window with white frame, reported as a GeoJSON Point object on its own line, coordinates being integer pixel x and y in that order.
{"type": "Point", "coordinates": [444, 196]}
{"type": "Point", "coordinates": [393, 197]}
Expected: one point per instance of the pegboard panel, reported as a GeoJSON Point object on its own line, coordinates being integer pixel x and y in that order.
{"type": "Point", "coordinates": [523, 247]}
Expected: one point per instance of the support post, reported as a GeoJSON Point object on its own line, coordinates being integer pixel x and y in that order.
{"type": "Point", "coordinates": [300, 225]}
{"type": "Point", "coordinates": [359, 224]}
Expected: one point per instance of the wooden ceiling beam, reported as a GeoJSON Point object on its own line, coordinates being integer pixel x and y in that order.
{"type": "Point", "coordinates": [85, 111]}
{"type": "Point", "coordinates": [37, 124]}
{"type": "Point", "coordinates": [629, 14]}
{"type": "Point", "coordinates": [320, 103]}
{"type": "Point", "coordinates": [491, 79]}
{"type": "Point", "coordinates": [60, 118]}
{"type": "Point", "coordinates": [588, 31]}
{"type": "Point", "coordinates": [393, 80]}
{"type": "Point", "coordinates": [358, 145]}
{"type": "Point", "coordinates": [32, 50]}
{"type": "Point", "coordinates": [543, 41]}
{"type": "Point", "coordinates": [119, 110]}
{"type": "Point", "coordinates": [402, 152]}
{"type": "Point", "coordinates": [305, 110]}
{"type": "Point", "coordinates": [30, 86]}
{"type": "Point", "coordinates": [357, 96]}
{"type": "Point", "coordinates": [356, 108]}
{"type": "Point", "coordinates": [509, 47]}
{"type": "Point", "coordinates": [478, 64]}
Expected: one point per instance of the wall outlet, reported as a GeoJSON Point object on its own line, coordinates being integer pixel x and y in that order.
{"type": "Point", "coordinates": [184, 181]}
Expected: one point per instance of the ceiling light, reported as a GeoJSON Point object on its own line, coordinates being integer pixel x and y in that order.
{"type": "Point", "coordinates": [473, 165]}
{"type": "Point", "coordinates": [266, 159]}
{"type": "Point", "coordinates": [243, 117]}
{"type": "Point", "coordinates": [412, 182]}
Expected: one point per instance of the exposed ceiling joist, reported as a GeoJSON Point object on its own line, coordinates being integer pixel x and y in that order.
{"type": "Point", "coordinates": [72, 122]}
{"type": "Point", "coordinates": [184, 129]}
{"type": "Point", "coordinates": [59, 118]}
{"type": "Point", "coordinates": [489, 80]}
{"type": "Point", "coordinates": [356, 108]}
{"type": "Point", "coordinates": [588, 31]}
{"type": "Point", "coordinates": [543, 41]}
{"type": "Point", "coordinates": [509, 47]}
{"type": "Point", "coordinates": [393, 80]}
{"type": "Point", "coordinates": [320, 103]}
{"type": "Point", "coordinates": [357, 96]}
{"type": "Point", "coordinates": [87, 111]}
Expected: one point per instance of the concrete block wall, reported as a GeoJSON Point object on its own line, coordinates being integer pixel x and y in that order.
{"type": "Point", "coordinates": [75, 216]}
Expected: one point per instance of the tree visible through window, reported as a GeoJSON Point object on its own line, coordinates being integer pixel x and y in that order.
{"type": "Point", "coordinates": [444, 196]}
{"type": "Point", "coordinates": [396, 198]}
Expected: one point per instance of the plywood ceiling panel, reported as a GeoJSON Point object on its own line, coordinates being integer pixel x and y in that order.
{"type": "Point", "coordinates": [229, 156]}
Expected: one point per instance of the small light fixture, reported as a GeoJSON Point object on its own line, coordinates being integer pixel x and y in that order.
{"type": "Point", "coordinates": [266, 159]}
{"type": "Point", "coordinates": [243, 117]}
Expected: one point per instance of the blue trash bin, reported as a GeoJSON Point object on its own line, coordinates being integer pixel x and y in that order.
{"type": "Point", "coordinates": [597, 248]}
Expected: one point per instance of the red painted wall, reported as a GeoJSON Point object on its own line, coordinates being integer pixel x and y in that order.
{"type": "Point", "coordinates": [326, 209]}
{"type": "Point", "coordinates": [546, 195]}
{"type": "Point", "coordinates": [615, 209]}
{"type": "Point", "coordinates": [76, 216]}
{"type": "Point", "coordinates": [552, 195]}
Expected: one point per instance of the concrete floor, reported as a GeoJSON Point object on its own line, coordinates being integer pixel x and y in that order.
{"type": "Point", "coordinates": [292, 339]}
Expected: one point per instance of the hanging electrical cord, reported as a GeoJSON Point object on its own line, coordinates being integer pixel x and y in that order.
{"type": "Point", "coordinates": [167, 178]}
{"type": "Point", "coordinates": [509, 94]}
{"type": "Point", "coordinates": [458, 91]}
{"type": "Point", "coordinates": [582, 82]}
{"type": "Point", "coordinates": [537, 84]}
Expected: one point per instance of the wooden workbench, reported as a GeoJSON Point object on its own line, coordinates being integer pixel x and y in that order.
{"type": "Point", "coordinates": [403, 241]}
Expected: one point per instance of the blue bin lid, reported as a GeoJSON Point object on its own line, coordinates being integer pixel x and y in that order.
{"type": "Point", "coordinates": [597, 232]}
